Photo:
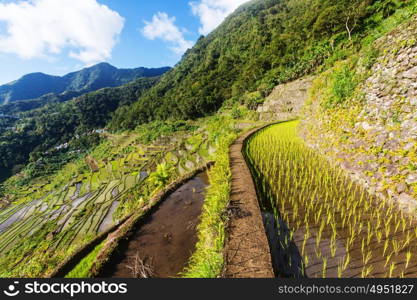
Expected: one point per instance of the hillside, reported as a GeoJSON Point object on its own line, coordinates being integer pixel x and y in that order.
{"type": "Point", "coordinates": [50, 136]}
{"type": "Point", "coordinates": [332, 193]}
{"type": "Point", "coordinates": [262, 44]}
{"type": "Point", "coordinates": [371, 128]}
{"type": "Point", "coordinates": [92, 193]}
{"type": "Point", "coordinates": [102, 75]}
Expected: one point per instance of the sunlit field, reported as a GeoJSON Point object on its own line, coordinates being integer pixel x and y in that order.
{"type": "Point", "coordinates": [327, 225]}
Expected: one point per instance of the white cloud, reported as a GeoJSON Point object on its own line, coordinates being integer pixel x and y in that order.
{"type": "Point", "coordinates": [213, 12]}
{"type": "Point", "coordinates": [163, 27]}
{"type": "Point", "coordinates": [43, 28]}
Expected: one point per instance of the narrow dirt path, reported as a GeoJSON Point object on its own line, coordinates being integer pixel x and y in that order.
{"type": "Point", "coordinates": [247, 248]}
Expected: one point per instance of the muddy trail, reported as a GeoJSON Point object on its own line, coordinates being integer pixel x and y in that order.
{"type": "Point", "coordinates": [161, 245]}
{"type": "Point", "coordinates": [247, 250]}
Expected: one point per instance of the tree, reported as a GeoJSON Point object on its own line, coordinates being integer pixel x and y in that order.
{"type": "Point", "coordinates": [353, 14]}
{"type": "Point", "coordinates": [1, 190]}
{"type": "Point", "coordinates": [161, 176]}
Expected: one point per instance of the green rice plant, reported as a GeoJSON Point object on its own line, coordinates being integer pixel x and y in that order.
{"type": "Point", "coordinates": [366, 271]}
{"type": "Point", "coordinates": [378, 220]}
{"type": "Point", "coordinates": [396, 247]}
{"type": "Point", "coordinates": [386, 244]}
{"type": "Point", "coordinates": [408, 258]}
{"type": "Point", "coordinates": [388, 258]}
{"type": "Point", "coordinates": [367, 257]}
{"type": "Point", "coordinates": [302, 269]}
{"type": "Point", "coordinates": [391, 270]}
{"type": "Point", "coordinates": [320, 233]}
{"type": "Point", "coordinates": [351, 240]}
{"type": "Point", "coordinates": [81, 270]}
{"type": "Point", "coordinates": [369, 237]}
{"type": "Point", "coordinates": [379, 237]}
{"type": "Point", "coordinates": [310, 193]}
{"type": "Point", "coordinates": [306, 237]}
{"type": "Point", "coordinates": [324, 267]}
{"type": "Point", "coordinates": [318, 252]}
{"type": "Point", "coordinates": [334, 230]}
{"type": "Point", "coordinates": [387, 230]}
{"type": "Point", "coordinates": [346, 262]}
{"type": "Point", "coordinates": [397, 226]}
{"type": "Point", "coordinates": [340, 269]}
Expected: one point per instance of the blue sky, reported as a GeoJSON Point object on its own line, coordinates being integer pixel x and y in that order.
{"type": "Point", "coordinates": [61, 36]}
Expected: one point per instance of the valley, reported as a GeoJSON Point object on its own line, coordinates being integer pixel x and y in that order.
{"type": "Point", "coordinates": [83, 204]}
{"type": "Point", "coordinates": [282, 145]}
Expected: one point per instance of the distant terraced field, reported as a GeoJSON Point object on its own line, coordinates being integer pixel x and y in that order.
{"type": "Point", "coordinates": [48, 223]}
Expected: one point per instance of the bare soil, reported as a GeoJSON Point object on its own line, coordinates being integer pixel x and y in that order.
{"type": "Point", "coordinates": [247, 252]}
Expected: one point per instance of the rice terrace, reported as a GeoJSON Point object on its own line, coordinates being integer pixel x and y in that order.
{"type": "Point", "coordinates": [279, 142]}
{"type": "Point", "coordinates": [340, 230]}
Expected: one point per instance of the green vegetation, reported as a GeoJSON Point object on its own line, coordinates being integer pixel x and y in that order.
{"type": "Point", "coordinates": [36, 134]}
{"type": "Point", "coordinates": [339, 105]}
{"type": "Point", "coordinates": [262, 44]}
{"type": "Point", "coordinates": [62, 197]}
{"type": "Point", "coordinates": [207, 261]}
{"type": "Point", "coordinates": [335, 223]}
{"type": "Point", "coordinates": [48, 87]}
{"type": "Point", "coordinates": [82, 268]}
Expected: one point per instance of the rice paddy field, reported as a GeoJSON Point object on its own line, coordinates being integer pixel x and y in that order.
{"type": "Point", "coordinates": [49, 221]}
{"type": "Point", "coordinates": [320, 223]}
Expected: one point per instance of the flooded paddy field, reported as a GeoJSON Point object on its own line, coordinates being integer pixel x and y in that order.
{"type": "Point", "coordinates": [47, 222]}
{"type": "Point", "coordinates": [161, 245]}
{"type": "Point", "coordinates": [320, 223]}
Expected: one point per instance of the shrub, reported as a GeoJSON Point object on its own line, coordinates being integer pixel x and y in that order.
{"type": "Point", "coordinates": [343, 86]}
{"type": "Point", "coordinates": [161, 176]}
{"type": "Point", "coordinates": [370, 58]}
{"type": "Point", "coordinates": [253, 100]}
{"type": "Point", "coordinates": [236, 113]}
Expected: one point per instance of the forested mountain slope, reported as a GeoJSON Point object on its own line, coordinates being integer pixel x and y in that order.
{"type": "Point", "coordinates": [102, 75]}
{"type": "Point", "coordinates": [50, 136]}
{"type": "Point", "coordinates": [262, 44]}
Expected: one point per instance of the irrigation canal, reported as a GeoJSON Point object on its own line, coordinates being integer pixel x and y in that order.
{"type": "Point", "coordinates": [161, 245]}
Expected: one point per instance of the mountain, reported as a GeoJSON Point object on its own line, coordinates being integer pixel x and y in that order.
{"type": "Point", "coordinates": [262, 44]}
{"type": "Point", "coordinates": [75, 166]}
{"type": "Point", "coordinates": [37, 131]}
{"type": "Point", "coordinates": [102, 75]}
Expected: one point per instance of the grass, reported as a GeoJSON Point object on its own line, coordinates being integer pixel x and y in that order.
{"type": "Point", "coordinates": [207, 260]}
{"type": "Point", "coordinates": [82, 268]}
{"type": "Point", "coordinates": [120, 162]}
{"type": "Point", "coordinates": [335, 106]}
{"type": "Point", "coordinates": [344, 85]}
{"type": "Point", "coordinates": [316, 200]}
{"type": "Point", "coordinates": [50, 240]}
